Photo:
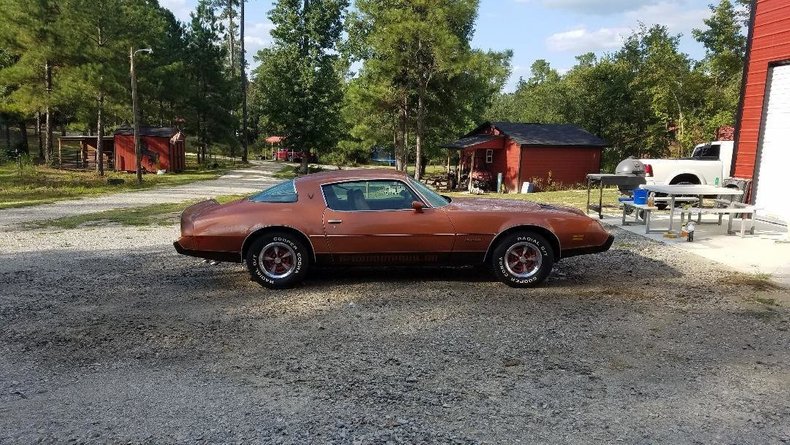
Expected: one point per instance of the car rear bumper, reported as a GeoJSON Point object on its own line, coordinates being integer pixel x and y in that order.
{"type": "Point", "coordinates": [589, 250]}
{"type": "Point", "coordinates": [230, 257]}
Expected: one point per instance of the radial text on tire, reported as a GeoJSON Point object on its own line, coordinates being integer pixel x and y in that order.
{"type": "Point", "coordinates": [277, 260]}
{"type": "Point", "coordinates": [523, 259]}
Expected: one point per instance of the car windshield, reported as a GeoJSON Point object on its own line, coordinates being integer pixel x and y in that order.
{"type": "Point", "coordinates": [282, 192]}
{"type": "Point", "coordinates": [434, 199]}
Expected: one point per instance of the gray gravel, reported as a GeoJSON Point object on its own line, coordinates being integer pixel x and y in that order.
{"type": "Point", "coordinates": [106, 335]}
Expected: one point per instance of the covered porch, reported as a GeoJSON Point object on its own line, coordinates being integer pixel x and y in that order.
{"type": "Point", "coordinates": [481, 158]}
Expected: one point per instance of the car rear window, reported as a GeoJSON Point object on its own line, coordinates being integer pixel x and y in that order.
{"type": "Point", "coordinates": [282, 192]}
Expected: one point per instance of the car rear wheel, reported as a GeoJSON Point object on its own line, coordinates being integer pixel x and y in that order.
{"type": "Point", "coordinates": [523, 259]}
{"type": "Point", "coordinates": [277, 260]}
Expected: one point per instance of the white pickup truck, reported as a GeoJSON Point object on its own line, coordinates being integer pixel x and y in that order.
{"type": "Point", "coordinates": [709, 164]}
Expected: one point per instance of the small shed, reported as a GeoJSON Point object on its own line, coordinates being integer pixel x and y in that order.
{"type": "Point", "coordinates": [527, 152]}
{"type": "Point", "coordinates": [85, 156]}
{"type": "Point", "coordinates": [762, 132]}
{"type": "Point", "coordinates": [163, 148]}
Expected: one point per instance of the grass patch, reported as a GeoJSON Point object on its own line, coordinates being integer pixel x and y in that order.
{"type": "Point", "coordinates": [36, 185]}
{"type": "Point", "coordinates": [292, 171]}
{"type": "Point", "coordinates": [758, 281]}
{"type": "Point", "coordinates": [152, 215]}
{"type": "Point", "coordinates": [572, 198]}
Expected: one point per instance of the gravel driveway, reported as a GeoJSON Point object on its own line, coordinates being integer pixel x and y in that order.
{"type": "Point", "coordinates": [106, 335]}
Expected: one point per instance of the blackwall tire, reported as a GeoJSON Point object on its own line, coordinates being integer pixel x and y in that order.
{"type": "Point", "coordinates": [277, 260]}
{"type": "Point", "coordinates": [523, 259]}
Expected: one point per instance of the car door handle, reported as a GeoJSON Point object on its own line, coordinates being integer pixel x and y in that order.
{"type": "Point", "coordinates": [334, 221]}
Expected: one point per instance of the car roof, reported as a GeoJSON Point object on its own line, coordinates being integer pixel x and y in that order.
{"type": "Point", "coordinates": [351, 175]}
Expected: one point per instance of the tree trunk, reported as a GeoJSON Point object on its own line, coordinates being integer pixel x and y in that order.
{"type": "Point", "coordinates": [23, 132]}
{"type": "Point", "coordinates": [231, 43]}
{"type": "Point", "coordinates": [48, 115]}
{"type": "Point", "coordinates": [100, 137]}
{"type": "Point", "coordinates": [39, 138]}
{"type": "Point", "coordinates": [243, 75]}
{"type": "Point", "coordinates": [418, 138]}
{"type": "Point", "coordinates": [401, 149]}
{"type": "Point", "coordinates": [7, 135]}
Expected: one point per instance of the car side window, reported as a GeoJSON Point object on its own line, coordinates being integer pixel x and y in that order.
{"type": "Point", "coordinates": [369, 195]}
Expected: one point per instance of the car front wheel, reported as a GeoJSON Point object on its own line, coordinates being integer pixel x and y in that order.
{"type": "Point", "coordinates": [277, 260]}
{"type": "Point", "coordinates": [523, 259]}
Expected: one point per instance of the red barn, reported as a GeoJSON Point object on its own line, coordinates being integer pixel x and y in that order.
{"type": "Point", "coordinates": [535, 153]}
{"type": "Point", "coordinates": [762, 138]}
{"type": "Point", "coordinates": [163, 149]}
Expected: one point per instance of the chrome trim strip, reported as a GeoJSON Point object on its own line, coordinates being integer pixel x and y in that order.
{"type": "Point", "coordinates": [387, 235]}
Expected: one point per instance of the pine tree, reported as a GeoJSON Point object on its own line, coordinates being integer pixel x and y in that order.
{"type": "Point", "coordinates": [298, 83]}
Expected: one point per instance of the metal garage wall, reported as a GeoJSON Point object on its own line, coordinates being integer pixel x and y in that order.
{"type": "Point", "coordinates": [773, 188]}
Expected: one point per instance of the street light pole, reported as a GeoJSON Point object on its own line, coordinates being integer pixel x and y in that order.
{"type": "Point", "coordinates": [136, 113]}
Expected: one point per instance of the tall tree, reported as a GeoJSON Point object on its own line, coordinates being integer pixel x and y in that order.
{"type": "Point", "coordinates": [297, 80]}
{"type": "Point", "coordinates": [413, 50]}
{"type": "Point", "coordinates": [32, 31]}
{"type": "Point", "coordinates": [212, 99]}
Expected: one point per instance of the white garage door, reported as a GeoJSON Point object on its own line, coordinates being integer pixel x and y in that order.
{"type": "Point", "coordinates": [773, 184]}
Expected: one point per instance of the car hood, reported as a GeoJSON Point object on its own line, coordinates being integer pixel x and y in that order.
{"type": "Point", "coordinates": [506, 205]}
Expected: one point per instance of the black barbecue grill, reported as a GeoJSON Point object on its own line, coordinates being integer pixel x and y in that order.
{"type": "Point", "coordinates": [629, 174]}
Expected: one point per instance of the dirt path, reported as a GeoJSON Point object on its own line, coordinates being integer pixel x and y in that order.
{"type": "Point", "coordinates": [240, 181]}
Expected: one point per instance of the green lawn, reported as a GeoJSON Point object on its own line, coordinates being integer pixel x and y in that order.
{"type": "Point", "coordinates": [151, 215]}
{"type": "Point", "coordinates": [573, 198]}
{"type": "Point", "coordinates": [34, 185]}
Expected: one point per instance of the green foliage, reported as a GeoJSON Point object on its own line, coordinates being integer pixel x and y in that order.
{"type": "Point", "coordinates": [212, 96]}
{"type": "Point", "coordinates": [417, 66]}
{"type": "Point", "coordinates": [297, 88]}
{"type": "Point", "coordinates": [646, 99]}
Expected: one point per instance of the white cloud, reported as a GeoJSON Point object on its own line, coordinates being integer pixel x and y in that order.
{"type": "Point", "coordinates": [673, 15]}
{"type": "Point", "coordinates": [581, 39]}
{"type": "Point", "coordinates": [257, 36]}
{"type": "Point", "coordinates": [670, 13]}
{"type": "Point", "coordinates": [595, 7]}
{"type": "Point", "coordinates": [179, 8]}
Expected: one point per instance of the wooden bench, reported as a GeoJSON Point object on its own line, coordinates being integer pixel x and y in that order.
{"type": "Point", "coordinates": [738, 209]}
{"type": "Point", "coordinates": [645, 210]}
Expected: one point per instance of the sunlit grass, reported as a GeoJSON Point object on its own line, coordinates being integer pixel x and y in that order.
{"type": "Point", "coordinates": [152, 215]}
{"type": "Point", "coordinates": [572, 198]}
{"type": "Point", "coordinates": [34, 185]}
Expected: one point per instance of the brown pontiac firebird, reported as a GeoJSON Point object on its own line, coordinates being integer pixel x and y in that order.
{"type": "Point", "coordinates": [382, 217]}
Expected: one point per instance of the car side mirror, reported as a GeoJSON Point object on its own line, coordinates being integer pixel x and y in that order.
{"type": "Point", "coordinates": [417, 206]}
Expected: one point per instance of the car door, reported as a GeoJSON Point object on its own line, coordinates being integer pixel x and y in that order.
{"type": "Point", "coordinates": [373, 222]}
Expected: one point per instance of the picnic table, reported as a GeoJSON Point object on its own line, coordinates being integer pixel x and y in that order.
{"type": "Point", "coordinates": [700, 191]}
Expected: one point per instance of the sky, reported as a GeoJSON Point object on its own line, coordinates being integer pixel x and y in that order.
{"type": "Point", "coordinates": [555, 30]}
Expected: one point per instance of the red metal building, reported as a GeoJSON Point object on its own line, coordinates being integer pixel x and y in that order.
{"type": "Point", "coordinates": [535, 153]}
{"type": "Point", "coordinates": [762, 138]}
{"type": "Point", "coordinates": [163, 149]}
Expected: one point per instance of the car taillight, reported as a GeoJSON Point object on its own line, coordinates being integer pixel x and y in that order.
{"type": "Point", "coordinates": [648, 170]}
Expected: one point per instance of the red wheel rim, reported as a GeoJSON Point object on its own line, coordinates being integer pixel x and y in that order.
{"type": "Point", "coordinates": [277, 260]}
{"type": "Point", "coordinates": [523, 260]}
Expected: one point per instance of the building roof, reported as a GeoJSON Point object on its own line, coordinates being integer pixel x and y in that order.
{"type": "Point", "coordinates": [544, 134]}
{"type": "Point", "coordinates": [469, 141]}
{"type": "Point", "coordinates": [163, 132]}
{"type": "Point", "coordinates": [82, 137]}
